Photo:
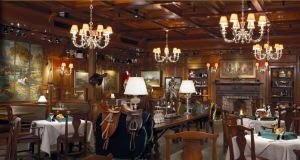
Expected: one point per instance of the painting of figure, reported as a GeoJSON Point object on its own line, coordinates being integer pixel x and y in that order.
{"type": "Point", "coordinates": [237, 69]}
{"type": "Point", "coordinates": [172, 85]}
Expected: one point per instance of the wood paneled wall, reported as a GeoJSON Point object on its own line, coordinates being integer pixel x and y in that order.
{"type": "Point", "coordinates": [55, 55]}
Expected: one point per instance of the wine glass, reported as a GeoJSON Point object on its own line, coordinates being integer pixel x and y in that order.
{"type": "Point", "coordinates": [51, 115]}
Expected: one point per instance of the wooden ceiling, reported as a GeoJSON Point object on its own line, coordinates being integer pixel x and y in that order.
{"type": "Point", "coordinates": [139, 25]}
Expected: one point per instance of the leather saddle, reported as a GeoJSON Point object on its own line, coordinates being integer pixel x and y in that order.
{"type": "Point", "coordinates": [134, 122]}
{"type": "Point", "coordinates": [109, 123]}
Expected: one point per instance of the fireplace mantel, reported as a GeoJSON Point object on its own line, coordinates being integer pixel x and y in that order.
{"type": "Point", "coordinates": [233, 82]}
{"type": "Point", "coordinates": [236, 88]}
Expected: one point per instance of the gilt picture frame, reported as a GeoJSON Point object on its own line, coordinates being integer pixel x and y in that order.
{"type": "Point", "coordinates": [81, 79]}
{"type": "Point", "coordinates": [237, 69]}
{"type": "Point", "coordinates": [152, 78]}
{"type": "Point", "coordinates": [110, 83]}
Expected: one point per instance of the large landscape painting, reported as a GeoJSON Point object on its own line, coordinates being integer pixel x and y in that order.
{"type": "Point", "coordinates": [20, 71]}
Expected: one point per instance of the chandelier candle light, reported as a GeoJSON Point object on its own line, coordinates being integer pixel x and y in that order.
{"type": "Point", "coordinates": [87, 37]}
{"type": "Point", "coordinates": [239, 31]}
{"type": "Point", "coordinates": [167, 58]}
{"type": "Point", "coordinates": [268, 53]}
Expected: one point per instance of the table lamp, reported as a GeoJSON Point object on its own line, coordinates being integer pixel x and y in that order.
{"type": "Point", "coordinates": [187, 87]}
{"type": "Point", "coordinates": [135, 86]}
{"type": "Point", "coordinates": [42, 99]}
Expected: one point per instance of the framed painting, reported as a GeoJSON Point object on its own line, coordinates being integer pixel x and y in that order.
{"type": "Point", "coordinates": [237, 69]}
{"type": "Point", "coordinates": [81, 79]}
{"type": "Point", "coordinates": [173, 82]}
{"type": "Point", "coordinates": [110, 83]}
{"type": "Point", "coordinates": [152, 78]}
{"type": "Point", "coordinates": [21, 74]}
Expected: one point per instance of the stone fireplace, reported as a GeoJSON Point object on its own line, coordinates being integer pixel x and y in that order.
{"type": "Point", "coordinates": [237, 103]}
{"type": "Point", "coordinates": [237, 95]}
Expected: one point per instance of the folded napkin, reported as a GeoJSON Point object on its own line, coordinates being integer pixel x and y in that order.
{"type": "Point", "coordinates": [268, 118]}
{"type": "Point", "coordinates": [50, 120]}
{"type": "Point", "coordinates": [70, 119]}
{"type": "Point", "coordinates": [268, 135]}
{"type": "Point", "coordinates": [289, 135]}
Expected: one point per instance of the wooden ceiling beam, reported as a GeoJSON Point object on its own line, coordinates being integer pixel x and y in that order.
{"type": "Point", "coordinates": [292, 40]}
{"type": "Point", "coordinates": [258, 7]}
{"type": "Point", "coordinates": [176, 11]}
{"type": "Point", "coordinates": [212, 8]}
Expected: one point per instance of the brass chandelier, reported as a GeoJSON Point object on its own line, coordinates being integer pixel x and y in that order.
{"type": "Point", "coordinates": [167, 57]}
{"type": "Point", "coordinates": [86, 37]}
{"type": "Point", "coordinates": [268, 53]}
{"type": "Point", "coordinates": [240, 33]}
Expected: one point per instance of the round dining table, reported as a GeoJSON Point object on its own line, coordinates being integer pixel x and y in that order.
{"type": "Point", "coordinates": [258, 124]}
{"type": "Point", "coordinates": [269, 149]}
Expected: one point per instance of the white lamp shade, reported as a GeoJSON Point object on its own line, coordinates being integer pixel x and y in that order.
{"type": "Point", "coordinates": [136, 86]}
{"type": "Point", "coordinates": [187, 86]}
{"type": "Point", "coordinates": [42, 99]}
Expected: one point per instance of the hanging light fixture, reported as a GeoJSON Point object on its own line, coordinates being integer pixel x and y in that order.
{"type": "Point", "coordinates": [89, 38]}
{"type": "Point", "coordinates": [268, 53]}
{"type": "Point", "coordinates": [239, 32]}
{"type": "Point", "coordinates": [167, 57]}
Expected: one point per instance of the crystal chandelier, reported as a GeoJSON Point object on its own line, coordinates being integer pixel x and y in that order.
{"type": "Point", "coordinates": [239, 32]}
{"type": "Point", "coordinates": [268, 53]}
{"type": "Point", "coordinates": [87, 37]}
{"type": "Point", "coordinates": [167, 57]}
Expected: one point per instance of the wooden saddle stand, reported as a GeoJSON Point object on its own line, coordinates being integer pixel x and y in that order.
{"type": "Point", "coordinates": [110, 121]}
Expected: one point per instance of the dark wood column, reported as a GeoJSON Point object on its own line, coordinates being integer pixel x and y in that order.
{"type": "Point", "coordinates": [91, 71]}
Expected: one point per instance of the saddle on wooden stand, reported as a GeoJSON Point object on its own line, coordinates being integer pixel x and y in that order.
{"type": "Point", "coordinates": [131, 131]}
{"type": "Point", "coordinates": [109, 124]}
{"type": "Point", "coordinates": [134, 122]}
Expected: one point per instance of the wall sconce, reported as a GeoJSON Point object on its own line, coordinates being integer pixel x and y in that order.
{"type": "Point", "coordinates": [213, 68]}
{"type": "Point", "coordinates": [262, 69]}
{"type": "Point", "coordinates": [63, 67]}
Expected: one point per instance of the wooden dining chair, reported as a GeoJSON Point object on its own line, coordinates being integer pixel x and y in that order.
{"type": "Point", "coordinates": [212, 108]}
{"type": "Point", "coordinates": [6, 132]}
{"type": "Point", "coordinates": [69, 139]}
{"type": "Point", "coordinates": [191, 144]}
{"type": "Point", "coordinates": [228, 119]}
{"type": "Point", "coordinates": [288, 114]}
{"type": "Point", "coordinates": [31, 137]}
{"type": "Point", "coordinates": [239, 132]}
{"type": "Point", "coordinates": [297, 153]}
{"type": "Point", "coordinates": [295, 125]}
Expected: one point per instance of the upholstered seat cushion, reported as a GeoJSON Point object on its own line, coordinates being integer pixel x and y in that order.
{"type": "Point", "coordinates": [25, 137]}
{"type": "Point", "coordinates": [70, 139]}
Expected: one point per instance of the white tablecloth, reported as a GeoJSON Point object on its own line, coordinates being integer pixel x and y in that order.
{"type": "Point", "coordinates": [257, 124]}
{"type": "Point", "coordinates": [51, 130]}
{"type": "Point", "coordinates": [269, 149]}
